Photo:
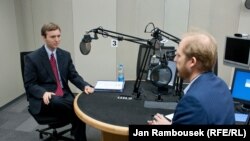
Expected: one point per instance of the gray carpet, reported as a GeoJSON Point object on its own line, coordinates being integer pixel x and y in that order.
{"type": "Point", "coordinates": [17, 124]}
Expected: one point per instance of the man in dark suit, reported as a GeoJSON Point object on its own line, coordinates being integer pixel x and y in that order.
{"type": "Point", "coordinates": [207, 99]}
{"type": "Point", "coordinates": [46, 81]}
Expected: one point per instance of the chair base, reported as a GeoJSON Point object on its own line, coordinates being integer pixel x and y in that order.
{"type": "Point", "coordinates": [54, 135]}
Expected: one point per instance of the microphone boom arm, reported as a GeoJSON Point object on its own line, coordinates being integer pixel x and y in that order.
{"type": "Point", "coordinates": [129, 38]}
{"type": "Point", "coordinates": [120, 37]}
{"type": "Point", "coordinates": [167, 35]}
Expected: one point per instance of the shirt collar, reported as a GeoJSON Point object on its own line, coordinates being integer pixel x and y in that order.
{"type": "Point", "coordinates": [49, 52]}
{"type": "Point", "coordinates": [188, 86]}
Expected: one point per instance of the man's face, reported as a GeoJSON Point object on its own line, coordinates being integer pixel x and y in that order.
{"type": "Point", "coordinates": [52, 39]}
{"type": "Point", "coordinates": [182, 62]}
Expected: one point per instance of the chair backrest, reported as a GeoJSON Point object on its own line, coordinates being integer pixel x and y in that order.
{"type": "Point", "coordinates": [22, 57]}
{"type": "Point", "coordinates": [215, 69]}
{"type": "Point", "coordinates": [22, 60]}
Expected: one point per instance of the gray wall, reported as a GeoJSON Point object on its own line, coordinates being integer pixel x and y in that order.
{"type": "Point", "coordinates": [10, 75]}
{"type": "Point", "coordinates": [220, 18]}
{"type": "Point", "coordinates": [21, 21]}
{"type": "Point", "coordinates": [88, 14]}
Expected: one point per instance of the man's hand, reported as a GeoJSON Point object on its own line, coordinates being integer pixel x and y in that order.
{"type": "Point", "coordinates": [159, 119]}
{"type": "Point", "coordinates": [88, 89]}
{"type": "Point", "coordinates": [47, 96]}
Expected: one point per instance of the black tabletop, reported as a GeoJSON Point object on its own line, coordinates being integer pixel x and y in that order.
{"type": "Point", "coordinates": [115, 109]}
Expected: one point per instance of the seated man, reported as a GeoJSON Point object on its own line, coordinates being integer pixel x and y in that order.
{"type": "Point", "coordinates": [46, 74]}
{"type": "Point", "coordinates": [207, 99]}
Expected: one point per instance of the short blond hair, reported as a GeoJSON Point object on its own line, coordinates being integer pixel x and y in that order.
{"type": "Point", "coordinates": [203, 47]}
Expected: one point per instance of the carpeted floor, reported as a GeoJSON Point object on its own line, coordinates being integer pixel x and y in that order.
{"type": "Point", "coordinates": [17, 124]}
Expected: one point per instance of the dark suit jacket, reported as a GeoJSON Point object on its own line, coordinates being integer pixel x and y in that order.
{"type": "Point", "coordinates": [208, 101]}
{"type": "Point", "coordinates": [39, 77]}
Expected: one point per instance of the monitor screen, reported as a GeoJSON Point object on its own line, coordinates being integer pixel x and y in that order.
{"type": "Point", "coordinates": [241, 86]}
{"type": "Point", "coordinates": [237, 52]}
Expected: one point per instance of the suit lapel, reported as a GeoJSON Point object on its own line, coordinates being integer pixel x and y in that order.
{"type": "Point", "coordinates": [60, 62]}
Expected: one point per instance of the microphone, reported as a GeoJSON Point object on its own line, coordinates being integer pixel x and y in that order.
{"type": "Point", "coordinates": [156, 33]}
{"type": "Point", "coordinates": [156, 40]}
{"type": "Point", "coordinates": [85, 44]}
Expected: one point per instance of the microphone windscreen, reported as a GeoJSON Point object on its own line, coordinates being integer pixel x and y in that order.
{"type": "Point", "coordinates": [85, 48]}
{"type": "Point", "coordinates": [247, 4]}
{"type": "Point", "coordinates": [85, 45]}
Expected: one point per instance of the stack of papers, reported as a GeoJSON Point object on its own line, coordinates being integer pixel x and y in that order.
{"type": "Point", "coordinates": [240, 117]}
{"type": "Point", "coordinates": [110, 86]}
{"type": "Point", "coordinates": [170, 116]}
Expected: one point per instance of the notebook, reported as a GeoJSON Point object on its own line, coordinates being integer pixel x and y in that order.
{"type": "Point", "coordinates": [241, 118]}
{"type": "Point", "coordinates": [110, 86]}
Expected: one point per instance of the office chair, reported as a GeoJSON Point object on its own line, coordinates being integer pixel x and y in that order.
{"type": "Point", "coordinates": [53, 123]}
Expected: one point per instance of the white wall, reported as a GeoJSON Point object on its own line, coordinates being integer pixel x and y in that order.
{"type": "Point", "coordinates": [10, 75]}
{"type": "Point", "coordinates": [220, 18]}
{"type": "Point", "coordinates": [144, 11]}
{"type": "Point", "coordinates": [25, 27]}
{"type": "Point", "coordinates": [100, 63]}
{"type": "Point", "coordinates": [244, 20]}
{"type": "Point", "coordinates": [176, 19]}
{"type": "Point", "coordinates": [21, 21]}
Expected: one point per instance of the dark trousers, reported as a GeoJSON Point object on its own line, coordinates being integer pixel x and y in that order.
{"type": "Point", "coordinates": [62, 107]}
